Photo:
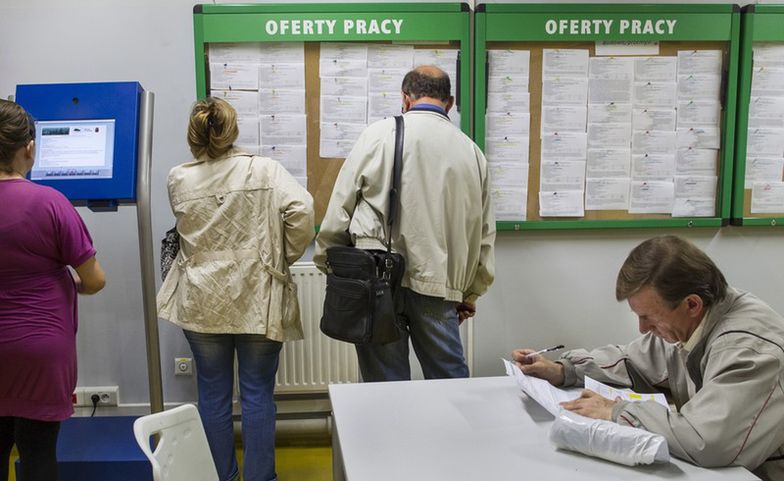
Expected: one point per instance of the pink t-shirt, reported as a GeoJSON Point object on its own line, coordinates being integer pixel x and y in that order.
{"type": "Point", "coordinates": [40, 234]}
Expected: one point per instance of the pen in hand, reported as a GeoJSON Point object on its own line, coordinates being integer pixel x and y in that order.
{"type": "Point", "coordinates": [542, 351]}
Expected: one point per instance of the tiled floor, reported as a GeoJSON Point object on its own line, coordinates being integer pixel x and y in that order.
{"type": "Point", "coordinates": [294, 463]}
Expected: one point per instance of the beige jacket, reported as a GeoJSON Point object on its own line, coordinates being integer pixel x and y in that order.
{"type": "Point", "coordinates": [242, 221]}
{"type": "Point", "coordinates": [736, 415]}
{"type": "Point", "coordinates": [446, 226]}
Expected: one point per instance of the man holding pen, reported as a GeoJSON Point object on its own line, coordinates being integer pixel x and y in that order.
{"type": "Point", "coordinates": [718, 352]}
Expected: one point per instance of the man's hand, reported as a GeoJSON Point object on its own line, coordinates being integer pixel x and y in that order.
{"type": "Point", "coordinates": [533, 364]}
{"type": "Point", "coordinates": [591, 405]}
{"type": "Point", "coordinates": [465, 310]}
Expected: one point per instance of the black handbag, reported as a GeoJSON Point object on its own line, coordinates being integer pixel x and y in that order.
{"type": "Point", "coordinates": [170, 246]}
{"type": "Point", "coordinates": [360, 305]}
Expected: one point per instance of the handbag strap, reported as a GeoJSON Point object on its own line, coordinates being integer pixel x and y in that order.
{"type": "Point", "coordinates": [394, 192]}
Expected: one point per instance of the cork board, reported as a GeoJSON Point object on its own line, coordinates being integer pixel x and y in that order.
{"type": "Point", "coordinates": [666, 49]}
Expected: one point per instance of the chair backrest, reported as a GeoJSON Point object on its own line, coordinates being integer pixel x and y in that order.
{"type": "Point", "coordinates": [182, 453]}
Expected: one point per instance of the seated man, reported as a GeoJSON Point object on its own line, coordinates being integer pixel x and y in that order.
{"type": "Point", "coordinates": [719, 352]}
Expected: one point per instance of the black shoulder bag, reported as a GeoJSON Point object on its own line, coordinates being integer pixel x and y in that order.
{"type": "Point", "coordinates": [360, 305]}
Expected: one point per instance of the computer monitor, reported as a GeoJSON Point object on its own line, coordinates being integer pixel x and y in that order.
{"type": "Point", "coordinates": [73, 149]}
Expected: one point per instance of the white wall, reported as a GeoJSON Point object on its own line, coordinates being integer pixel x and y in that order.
{"type": "Point", "coordinates": [552, 287]}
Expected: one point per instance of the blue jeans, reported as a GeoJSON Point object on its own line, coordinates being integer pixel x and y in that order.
{"type": "Point", "coordinates": [257, 359]}
{"type": "Point", "coordinates": [434, 329]}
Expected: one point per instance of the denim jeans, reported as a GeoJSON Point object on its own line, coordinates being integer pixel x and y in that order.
{"type": "Point", "coordinates": [257, 359]}
{"type": "Point", "coordinates": [434, 329]}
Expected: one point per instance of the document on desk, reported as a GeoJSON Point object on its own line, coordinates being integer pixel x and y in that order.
{"type": "Point", "coordinates": [625, 394]}
{"type": "Point", "coordinates": [541, 391]}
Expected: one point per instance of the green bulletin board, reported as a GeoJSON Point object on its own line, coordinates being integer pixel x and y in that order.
{"type": "Point", "coordinates": [535, 27]}
{"type": "Point", "coordinates": [761, 25]}
{"type": "Point", "coordinates": [425, 26]}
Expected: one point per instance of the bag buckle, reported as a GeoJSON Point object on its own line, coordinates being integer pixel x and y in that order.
{"type": "Point", "coordinates": [387, 273]}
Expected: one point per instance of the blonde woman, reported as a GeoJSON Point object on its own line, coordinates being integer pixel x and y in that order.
{"type": "Point", "coordinates": [242, 220]}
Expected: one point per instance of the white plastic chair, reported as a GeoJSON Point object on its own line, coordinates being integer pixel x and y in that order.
{"type": "Point", "coordinates": [182, 453]}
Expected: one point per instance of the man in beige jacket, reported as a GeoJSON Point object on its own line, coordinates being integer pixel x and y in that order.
{"type": "Point", "coordinates": [445, 229]}
{"type": "Point", "coordinates": [717, 351]}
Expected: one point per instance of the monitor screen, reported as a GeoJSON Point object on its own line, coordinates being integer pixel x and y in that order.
{"type": "Point", "coordinates": [73, 149]}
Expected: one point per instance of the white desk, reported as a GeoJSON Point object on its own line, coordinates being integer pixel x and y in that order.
{"type": "Point", "coordinates": [479, 429]}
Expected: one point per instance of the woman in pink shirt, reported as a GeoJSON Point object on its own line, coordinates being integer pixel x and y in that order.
{"type": "Point", "coordinates": [41, 235]}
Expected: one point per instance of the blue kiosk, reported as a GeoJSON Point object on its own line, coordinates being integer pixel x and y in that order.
{"type": "Point", "coordinates": [94, 144]}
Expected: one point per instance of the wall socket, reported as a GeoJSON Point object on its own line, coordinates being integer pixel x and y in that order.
{"type": "Point", "coordinates": [183, 366]}
{"type": "Point", "coordinates": [107, 395]}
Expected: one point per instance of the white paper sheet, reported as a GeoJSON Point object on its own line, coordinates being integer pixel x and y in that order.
{"type": "Point", "coordinates": [565, 203]}
{"type": "Point", "coordinates": [248, 131]}
{"type": "Point", "coordinates": [695, 187]}
{"type": "Point", "coordinates": [699, 62]}
{"type": "Point", "coordinates": [604, 163]}
{"type": "Point", "coordinates": [282, 52]}
{"type": "Point", "coordinates": [772, 52]}
{"type": "Point", "coordinates": [244, 52]}
{"type": "Point", "coordinates": [763, 169]}
{"type": "Point", "coordinates": [382, 105]}
{"type": "Point", "coordinates": [445, 59]}
{"type": "Point", "coordinates": [344, 109]}
{"type": "Point", "coordinates": [282, 75]}
{"type": "Point", "coordinates": [651, 94]}
{"type": "Point", "coordinates": [234, 76]}
{"type": "Point", "coordinates": [696, 161]}
{"type": "Point", "coordinates": [507, 124]}
{"type": "Point", "coordinates": [649, 197]}
{"type": "Point", "coordinates": [654, 118]}
{"type": "Point", "coordinates": [699, 87]}
{"type": "Point", "coordinates": [609, 113]}
{"type": "Point", "coordinates": [562, 175]}
{"type": "Point", "coordinates": [765, 141]}
{"type": "Point", "coordinates": [503, 62]}
{"type": "Point", "coordinates": [561, 118]}
{"type": "Point", "coordinates": [341, 86]}
{"type": "Point", "coordinates": [356, 52]}
{"type": "Point", "coordinates": [612, 393]}
{"type": "Point", "coordinates": [564, 62]}
{"type": "Point", "coordinates": [245, 102]}
{"type": "Point", "coordinates": [292, 157]}
{"type": "Point", "coordinates": [285, 129]}
{"type": "Point", "coordinates": [342, 68]}
{"type": "Point", "coordinates": [512, 102]}
{"type": "Point", "coordinates": [645, 141]}
{"type": "Point", "coordinates": [541, 391]}
{"type": "Point", "coordinates": [653, 166]}
{"type": "Point", "coordinates": [698, 138]}
{"type": "Point", "coordinates": [767, 198]}
{"type": "Point", "coordinates": [281, 101]}
{"type": "Point", "coordinates": [390, 56]}
{"type": "Point", "coordinates": [345, 131]}
{"type": "Point", "coordinates": [513, 84]}
{"type": "Point", "coordinates": [767, 81]}
{"type": "Point", "coordinates": [334, 148]}
{"type": "Point", "coordinates": [655, 69]}
{"type": "Point", "coordinates": [616, 68]}
{"type": "Point", "coordinates": [609, 90]}
{"type": "Point", "coordinates": [609, 135]}
{"type": "Point", "coordinates": [385, 79]}
{"type": "Point", "coordinates": [563, 146]}
{"type": "Point", "coordinates": [699, 113]}
{"type": "Point", "coordinates": [565, 90]}
{"type": "Point", "coordinates": [508, 174]}
{"type": "Point", "coordinates": [511, 203]}
{"type": "Point", "coordinates": [690, 207]}
{"type": "Point", "coordinates": [607, 193]}
{"type": "Point", "coordinates": [507, 149]}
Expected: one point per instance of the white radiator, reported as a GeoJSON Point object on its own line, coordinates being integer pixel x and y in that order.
{"type": "Point", "coordinates": [312, 364]}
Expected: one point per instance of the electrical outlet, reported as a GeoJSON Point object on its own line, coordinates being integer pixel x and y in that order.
{"type": "Point", "coordinates": [183, 366]}
{"type": "Point", "coordinates": [107, 395]}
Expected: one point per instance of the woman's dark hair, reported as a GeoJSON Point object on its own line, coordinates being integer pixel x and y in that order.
{"type": "Point", "coordinates": [17, 129]}
{"type": "Point", "coordinates": [675, 268]}
{"type": "Point", "coordinates": [213, 128]}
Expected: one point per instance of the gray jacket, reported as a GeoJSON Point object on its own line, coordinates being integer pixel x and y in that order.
{"type": "Point", "coordinates": [446, 226]}
{"type": "Point", "coordinates": [736, 414]}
